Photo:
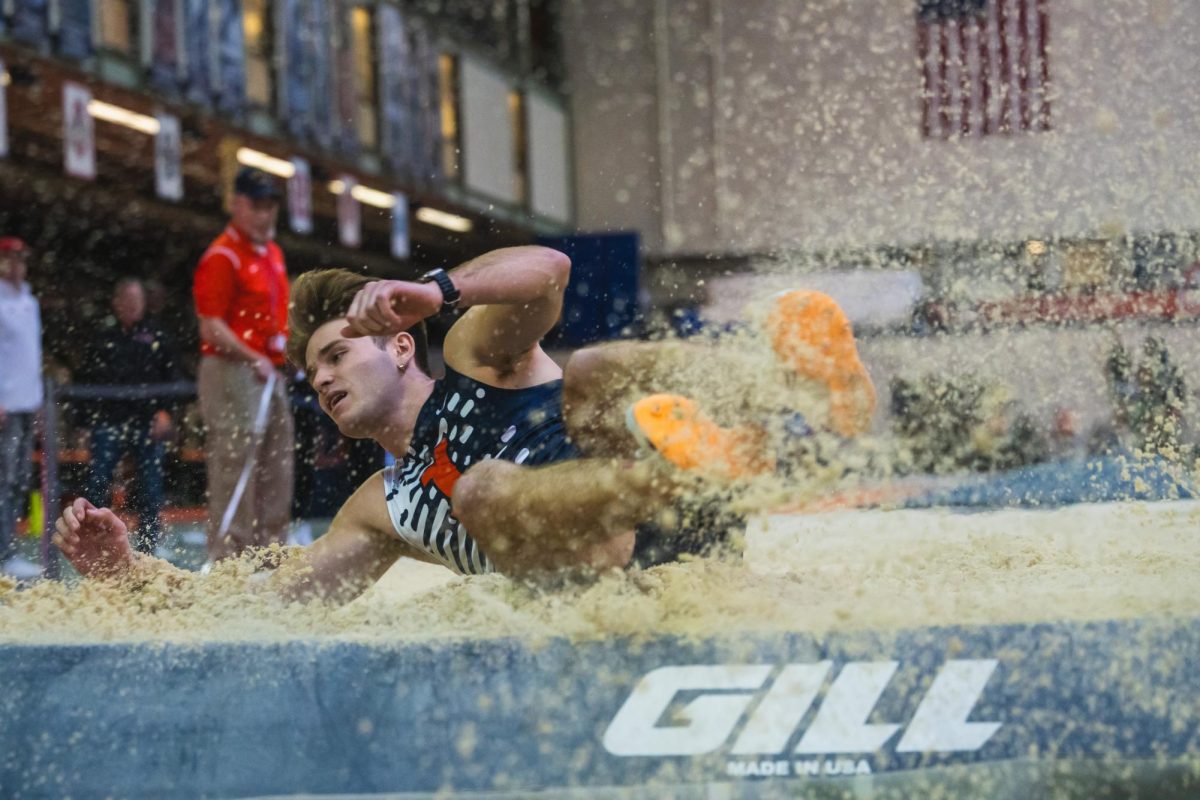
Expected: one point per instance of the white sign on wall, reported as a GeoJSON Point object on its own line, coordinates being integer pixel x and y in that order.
{"type": "Point", "coordinates": [3, 112]}
{"type": "Point", "coordinates": [400, 244]}
{"type": "Point", "coordinates": [349, 214]}
{"type": "Point", "coordinates": [79, 132]}
{"type": "Point", "coordinates": [168, 158]}
{"type": "Point", "coordinates": [299, 196]}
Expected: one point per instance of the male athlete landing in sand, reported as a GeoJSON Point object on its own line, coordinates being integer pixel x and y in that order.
{"type": "Point", "coordinates": [487, 476]}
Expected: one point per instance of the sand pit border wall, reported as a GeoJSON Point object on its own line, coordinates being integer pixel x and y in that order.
{"type": "Point", "coordinates": [503, 717]}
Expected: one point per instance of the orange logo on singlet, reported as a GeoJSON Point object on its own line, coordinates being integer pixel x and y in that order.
{"type": "Point", "coordinates": [442, 472]}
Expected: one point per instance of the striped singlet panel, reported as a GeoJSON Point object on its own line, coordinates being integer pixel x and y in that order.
{"type": "Point", "coordinates": [462, 423]}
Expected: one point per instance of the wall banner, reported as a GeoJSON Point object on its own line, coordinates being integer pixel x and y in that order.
{"type": "Point", "coordinates": [346, 88]}
{"type": "Point", "coordinates": [349, 214]}
{"type": "Point", "coordinates": [299, 197]}
{"type": "Point", "coordinates": [75, 29]}
{"type": "Point", "coordinates": [168, 158]}
{"type": "Point", "coordinates": [79, 132]}
{"type": "Point", "coordinates": [198, 51]}
{"type": "Point", "coordinates": [3, 114]}
{"type": "Point", "coordinates": [400, 244]}
{"type": "Point", "coordinates": [29, 21]}
{"type": "Point", "coordinates": [395, 87]}
{"type": "Point", "coordinates": [165, 45]}
{"type": "Point", "coordinates": [231, 57]}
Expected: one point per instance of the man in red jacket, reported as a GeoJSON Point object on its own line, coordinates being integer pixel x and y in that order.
{"type": "Point", "coordinates": [241, 294]}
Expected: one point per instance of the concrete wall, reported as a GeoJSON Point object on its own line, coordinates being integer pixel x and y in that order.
{"type": "Point", "coordinates": [727, 126]}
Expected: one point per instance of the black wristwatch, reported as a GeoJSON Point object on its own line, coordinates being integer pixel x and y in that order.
{"type": "Point", "coordinates": [450, 293]}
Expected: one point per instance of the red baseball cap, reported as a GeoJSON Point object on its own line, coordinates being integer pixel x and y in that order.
{"type": "Point", "coordinates": [12, 244]}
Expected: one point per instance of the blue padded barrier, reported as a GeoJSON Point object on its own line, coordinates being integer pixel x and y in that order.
{"type": "Point", "coordinates": [1009, 711]}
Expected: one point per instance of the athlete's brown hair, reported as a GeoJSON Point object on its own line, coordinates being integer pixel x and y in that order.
{"type": "Point", "coordinates": [326, 294]}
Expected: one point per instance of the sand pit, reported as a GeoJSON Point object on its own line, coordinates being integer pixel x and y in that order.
{"type": "Point", "coordinates": [844, 571]}
{"type": "Point", "coordinates": [1001, 654]}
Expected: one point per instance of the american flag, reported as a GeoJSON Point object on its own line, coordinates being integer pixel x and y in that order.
{"type": "Point", "coordinates": [984, 67]}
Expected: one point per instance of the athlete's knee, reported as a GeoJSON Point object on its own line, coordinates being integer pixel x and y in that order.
{"type": "Point", "coordinates": [482, 488]}
{"type": "Point", "coordinates": [590, 377]}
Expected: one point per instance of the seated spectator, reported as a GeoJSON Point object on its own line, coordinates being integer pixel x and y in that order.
{"type": "Point", "coordinates": [128, 351]}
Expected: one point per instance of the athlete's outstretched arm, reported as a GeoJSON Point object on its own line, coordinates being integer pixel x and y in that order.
{"type": "Point", "coordinates": [354, 553]}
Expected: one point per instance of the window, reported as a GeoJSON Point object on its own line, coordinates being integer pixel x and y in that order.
{"type": "Point", "coordinates": [516, 116]}
{"type": "Point", "coordinates": [362, 29]}
{"type": "Point", "coordinates": [448, 105]}
{"type": "Point", "coordinates": [119, 26]}
{"type": "Point", "coordinates": [260, 67]}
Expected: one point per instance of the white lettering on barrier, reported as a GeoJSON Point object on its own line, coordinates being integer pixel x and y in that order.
{"type": "Point", "coordinates": [939, 723]}
{"type": "Point", "coordinates": [710, 718]}
{"type": "Point", "coordinates": [840, 725]}
{"type": "Point", "coordinates": [780, 712]}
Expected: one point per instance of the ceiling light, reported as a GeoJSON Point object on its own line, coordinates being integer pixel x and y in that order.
{"type": "Point", "coordinates": [372, 197]}
{"type": "Point", "coordinates": [444, 219]}
{"type": "Point", "coordinates": [123, 116]}
{"type": "Point", "coordinates": [364, 194]}
{"type": "Point", "coordinates": [271, 164]}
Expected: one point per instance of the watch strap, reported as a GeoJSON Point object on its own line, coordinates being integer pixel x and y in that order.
{"type": "Point", "coordinates": [450, 293]}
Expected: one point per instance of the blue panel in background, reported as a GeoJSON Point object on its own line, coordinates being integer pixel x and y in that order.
{"type": "Point", "coordinates": [197, 44]}
{"type": "Point", "coordinates": [75, 29]}
{"type": "Point", "coordinates": [601, 301]}
{"type": "Point", "coordinates": [231, 57]}
{"type": "Point", "coordinates": [30, 23]}
{"type": "Point", "coordinates": [164, 44]}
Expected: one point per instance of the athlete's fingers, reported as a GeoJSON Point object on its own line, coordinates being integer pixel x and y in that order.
{"type": "Point", "coordinates": [61, 543]}
{"type": "Point", "coordinates": [391, 313]}
{"type": "Point", "coordinates": [70, 518]}
{"type": "Point", "coordinates": [356, 305]}
{"type": "Point", "coordinates": [358, 315]}
{"type": "Point", "coordinates": [373, 315]}
{"type": "Point", "coordinates": [81, 506]}
{"type": "Point", "coordinates": [377, 315]}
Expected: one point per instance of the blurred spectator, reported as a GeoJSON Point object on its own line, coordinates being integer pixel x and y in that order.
{"type": "Point", "coordinates": [20, 396]}
{"type": "Point", "coordinates": [1066, 438]}
{"type": "Point", "coordinates": [241, 294]}
{"type": "Point", "coordinates": [129, 350]}
{"type": "Point", "coordinates": [1149, 401]}
{"type": "Point", "coordinates": [931, 316]}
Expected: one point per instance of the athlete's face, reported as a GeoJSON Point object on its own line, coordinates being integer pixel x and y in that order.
{"type": "Point", "coordinates": [358, 381]}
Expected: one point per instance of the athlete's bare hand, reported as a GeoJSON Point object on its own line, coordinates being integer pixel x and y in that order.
{"type": "Point", "coordinates": [94, 540]}
{"type": "Point", "coordinates": [386, 307]}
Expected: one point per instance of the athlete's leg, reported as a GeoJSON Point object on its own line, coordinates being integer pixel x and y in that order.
{"type": "Point", "coordinates": [804, 359]}
{"type": "Point", "coordinates": [571, 514]}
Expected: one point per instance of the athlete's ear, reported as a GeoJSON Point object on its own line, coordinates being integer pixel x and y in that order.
{"type": "Point", "coordinates": [401, 347]}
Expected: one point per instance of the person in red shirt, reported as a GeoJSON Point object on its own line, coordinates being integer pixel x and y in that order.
{"type": "Point", "coordinates": [241, 294]}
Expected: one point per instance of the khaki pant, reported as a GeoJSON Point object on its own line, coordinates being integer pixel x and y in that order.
{"type": "Point", "coordinates": [229, 397]}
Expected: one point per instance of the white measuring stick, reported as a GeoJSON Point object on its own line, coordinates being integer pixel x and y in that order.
{"type": "Point", "coordinates": [260, 428]}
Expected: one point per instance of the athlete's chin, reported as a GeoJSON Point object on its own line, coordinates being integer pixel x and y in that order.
{"type": "Point", "coordinates": [351, 427]}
